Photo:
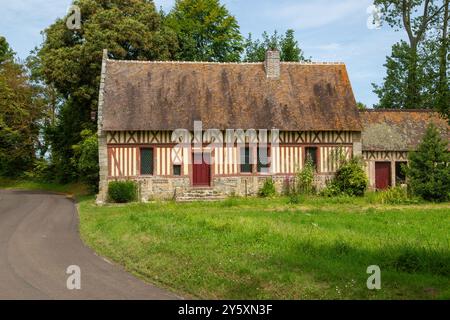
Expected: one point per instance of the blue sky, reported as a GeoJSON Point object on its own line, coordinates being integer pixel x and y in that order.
{"type": "Point", "coordinates": [327, 30]}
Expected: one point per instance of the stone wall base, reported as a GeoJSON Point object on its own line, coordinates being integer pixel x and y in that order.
{"type": "Point", "coordinates": [162, 188]}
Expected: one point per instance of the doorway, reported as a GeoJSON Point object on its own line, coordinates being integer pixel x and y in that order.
{"type": "Point", "coordinates": [382, 175]}
{"type": "Point", "coordinates": [201, 170]}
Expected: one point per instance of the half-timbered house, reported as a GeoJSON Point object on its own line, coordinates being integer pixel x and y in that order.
{"type": "Point", "coordinates": [287, 112]}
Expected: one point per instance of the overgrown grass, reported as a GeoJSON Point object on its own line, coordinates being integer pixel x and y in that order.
{"type": "Point", "coordinates": [73, 189]}
{"type": "Point", "coordinates": [319, 248]}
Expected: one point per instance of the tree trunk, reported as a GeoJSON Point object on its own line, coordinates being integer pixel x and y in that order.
{"type": "Point", "coordinates": [443, 90]}
{"type": "Point", "coordinates": [412, 99]}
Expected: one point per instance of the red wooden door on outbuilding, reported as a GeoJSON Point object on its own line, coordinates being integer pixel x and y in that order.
{"type": "Point", "coordinates": [201, 173]}
{"type": "Point", "coordinates": [382, 175]}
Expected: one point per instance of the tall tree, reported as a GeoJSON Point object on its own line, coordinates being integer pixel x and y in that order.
{"type": "Point", "coordinates": [206, 31]}
{"type": "Point", "coordinates": [415, 17]}
{"type": "Point", "coordinates": [393, 92]}
{"type": "Point", "coordinates": [19, 115]}
{"type": "Point", "coordinates": [70, 61]}
{"type": "Point", "coordinates": [443, 103]}
{"type": "Point", "coordinates": [255, 50]}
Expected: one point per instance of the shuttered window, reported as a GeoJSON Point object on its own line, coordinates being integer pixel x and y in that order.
{"type": "Point", "coordinates": [246, 167]}
{"type": "Point", "coordinates": [147, 161]}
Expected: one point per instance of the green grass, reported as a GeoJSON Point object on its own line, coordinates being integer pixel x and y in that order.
{"type": "Point", "coordinates": [269, 249]}
{"type": "Point", "coordinates": [72, 189]}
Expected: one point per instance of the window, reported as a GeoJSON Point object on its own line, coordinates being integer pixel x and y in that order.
{"type": "Point", "coordinates": [400, 176]}
{"type": "Point", "coordinates": [246, 166]}
{"type": "Point", "coordinates": [263, 160]}
{"type": "Point", "coordinates": [311, 154]}
{"type": "Point", "coordinates": [177, 170]}
{"type": "Point", "coordinates": [147, 161]}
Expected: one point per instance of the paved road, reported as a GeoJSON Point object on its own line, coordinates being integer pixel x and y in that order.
{"type": "Point", "coordinates": [39, 239]}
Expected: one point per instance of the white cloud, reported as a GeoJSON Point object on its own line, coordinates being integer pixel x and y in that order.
{"type": "Point", "coordinates": [310, 14]}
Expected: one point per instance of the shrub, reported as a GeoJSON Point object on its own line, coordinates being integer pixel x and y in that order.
{"type": "Point", "coordinates": [331, 190]}
{"type": "Point", "coordinates": [428, 169]}
{"type": "Point", "coordinates": [305, 179]}
{"type": "Point", "coordinates": [122, 191]}
{"type": "Point", "coordinates": [268, 189]}
{"type": "Point", "coordinates": [350, 179]}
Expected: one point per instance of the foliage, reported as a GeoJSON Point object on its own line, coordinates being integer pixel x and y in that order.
{"type": "Point", "coordinates": [86, 158]}
{"type": "Point", "coordinates": [361, 106]}
{"type": "Point", "coordinates": [19, 116]}
{"type": "Point", "coordinates": [255, 50]}
{"type": "Point", "coordinates": [428, 170]}
{"type": "Point", "coordinates": [70, 62]}
{"type": "Point", "coordinates": [305, 178]}
{"type": "Point", "coordinates": [394, 195]}
{"type": "Point", "coordinates": [206, 31]}
{"type": "Point", "coordinates": [350, 179]}
{"type": "Point", "coordinates": [393, 93]}
{"type": "Point", "coordinates": [417, 71]}
{"type": "Point", "coordinates": [268, 189]}
{"type": "Point", "coordinates": [122, 191]}
{"type": "Point", "coordinates": [6, 53]}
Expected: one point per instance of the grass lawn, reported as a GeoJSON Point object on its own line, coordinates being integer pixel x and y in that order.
{"type": "Point", "coordinates": [73, 189]}
{"type": "Point", "coordinates": [269, 249]}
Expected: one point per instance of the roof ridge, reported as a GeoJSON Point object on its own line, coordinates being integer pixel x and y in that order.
{"type": "Point", "coordinates": [223, 63]}
{"type": "Point", "coordinates": [398, 110]}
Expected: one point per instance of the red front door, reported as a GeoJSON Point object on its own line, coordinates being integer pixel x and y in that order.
{"type": "Point", "coordinates": [382, 175]}
{"type": "Point", "coordinates": [201, 173]}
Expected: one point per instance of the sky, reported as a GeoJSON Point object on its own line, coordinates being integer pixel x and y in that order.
{"type": "Point", "coordinates": [327, 30]}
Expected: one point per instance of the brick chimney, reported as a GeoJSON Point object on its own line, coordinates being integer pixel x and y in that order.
{"type": "Point", "coordinates": [272, 64]}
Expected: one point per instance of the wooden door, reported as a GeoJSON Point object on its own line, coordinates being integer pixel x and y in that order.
{"type": "Point", "coordinates": [201, 173]}
{"type": "Point", "coordinates": [382, 175]}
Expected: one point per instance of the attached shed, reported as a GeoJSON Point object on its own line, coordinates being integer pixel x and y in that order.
{"type": "Point", "coordinates": [387, 138]}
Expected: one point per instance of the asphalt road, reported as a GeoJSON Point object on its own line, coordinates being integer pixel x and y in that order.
{"type": "Point", "coordinates": [39, 240]}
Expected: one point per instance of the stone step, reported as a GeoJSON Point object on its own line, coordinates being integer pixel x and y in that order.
{"type": "Point", "coordinates": [193, 199]}
{"type": "Point", "coordinates": [199, 194]}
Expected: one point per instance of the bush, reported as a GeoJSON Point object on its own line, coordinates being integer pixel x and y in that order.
{"type": "Point", "coordinates": [305, 179]}
{"type": "Point", "coordinates": [350, 179]}
{"type": "Point", "coordinates": [268, 189]}
{"type": "Point", "coordinates": [122, 191]}
{"type": "Point", "coordinates": [428, 170]}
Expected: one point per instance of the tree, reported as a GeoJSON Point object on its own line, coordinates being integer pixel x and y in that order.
{"type": "Point", "coordinates": [86, 158]}
{"type": "Point", "coordinates": [443, 91]}
{"type": "Point", "coordinates": [255, 50]}
{"type": "Point", "coordinates": [19, 115]}
{"type": "Point", "coordinates": [416, 17]}
{"type": "Point", "coordinates": [361, 106]}
{"type": "Point", "coordinates": [206, 31]}
{"type": "Point", "coordinates": [5, 51]}
{"type": "Point", "coordinates": [393, 93]}
{"type": "Point", "coordinates": [70, 61]}
{"type": "Point", "coordinates": [428, 170]}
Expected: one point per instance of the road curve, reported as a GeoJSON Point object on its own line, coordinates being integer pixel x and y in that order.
{"type": "Point", "coordinates": [39, 240]}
